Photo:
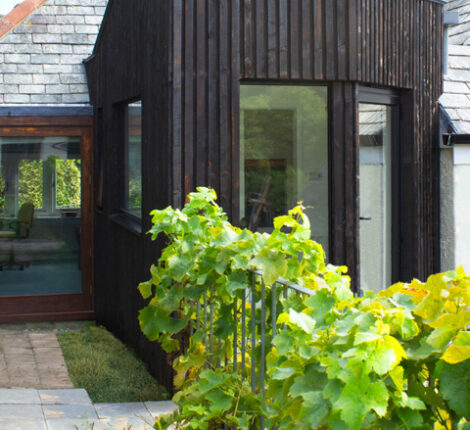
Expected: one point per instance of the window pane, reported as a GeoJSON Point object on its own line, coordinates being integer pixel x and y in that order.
{"type": "Point", "coordinates": [40, 226]}
{"type": "Point", "coordinates": [375, 192]}
{"type": "Point", "coordinates": [30, 182]}
{"type": "Point", "coordinates": [2, 188]}
{"type": "Point", "coordinates": [68, 183]}
{"type": "Point", "coordinates": [133, 200]}
{"type": "Point", "coordinates": [284, 153]}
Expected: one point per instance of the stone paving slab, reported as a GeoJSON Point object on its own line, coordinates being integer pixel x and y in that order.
{"type": "Point", "coordinates": [160, 408]}
{"type": "Point", "coordinates": [24, 424]}
{"type": "Point", "coordinates": [76, 396]}
{"type": "Point", "coordinates": [31, 412]}
{"type": "Point", "coordinates": [123, 415]}
{"type": "Point", "coordinates": [23, 396]}
{"type": "Point", "coordinates": [80, 412]}
{"type": "Point", "coordinates": [72, 409]}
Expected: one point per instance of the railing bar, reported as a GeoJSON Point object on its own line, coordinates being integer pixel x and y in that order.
{"type": "Point", "coordinates": [253, 334]}
{"type": "Point", "coordinates": [263, 337]}
{"type": "Point", "coordinates": [243, 329]}
{"type": "Point", "coordinates": [204, 328]}
{"type": "Point", "coordinates": [284, 293]}
{"type": "Point", "coordinates": [291, 285]}
{"type": "Point", "coordinates": [273, 311]}
{"type": "Point", "coordinates": [211, 328]}
{"type": "Point", "coordinates": [219, 344]}
{"type": "Point", "coordinates": [198, 315]}
{"type": "Point", "coordinates": [235, 335]}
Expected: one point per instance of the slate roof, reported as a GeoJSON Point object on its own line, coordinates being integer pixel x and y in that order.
{"type": "Point", "coordinates": [42, 47]}
{"type": "Point", "coordinates": [18, 14]}
{"type": "Point", "coordinates": [456, 97]}
{"type": "Point", "coordinates": [460, 34]}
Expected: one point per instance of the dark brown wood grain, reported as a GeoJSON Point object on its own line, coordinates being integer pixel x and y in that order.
{"type": "Point", "coordinates": [187, 59]}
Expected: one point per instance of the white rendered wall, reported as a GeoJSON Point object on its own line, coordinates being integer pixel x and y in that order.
{"type": "Point", "coordinates": [447, 210]}
{"type": "Point", "coordinates": [462, 205]}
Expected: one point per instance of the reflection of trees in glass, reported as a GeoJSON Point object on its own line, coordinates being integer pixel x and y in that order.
{"type": "Point", "coordinates": [285, 125]}
{"type": "Point", "coordinates": [30, 183]}
{"type": "Point", "coordinates": [134, 171]}
{"type": "Point", "coordinates": [135, 193]}
{"type": "Point", "coordinates": [2, 191]}
{"type": "Point", "coordinates": [68, 183]}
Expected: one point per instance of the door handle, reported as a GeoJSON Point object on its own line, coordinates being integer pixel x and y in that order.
{"type": "Point", "coordinates": [365, 218]}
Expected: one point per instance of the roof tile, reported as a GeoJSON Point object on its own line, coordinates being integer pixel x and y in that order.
{"type": "Point", "coordinates": [18, 15]}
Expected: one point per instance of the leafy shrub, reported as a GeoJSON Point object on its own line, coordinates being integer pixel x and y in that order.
{"type": "Point", "coordinates": [396, 360]}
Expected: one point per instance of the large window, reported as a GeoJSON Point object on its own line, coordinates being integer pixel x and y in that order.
{"type": "Point", "coordinates": [133, 160]}
{"type": "Point", "coordinates": [40, 215]}
{"type": "Point", "coordinates": [284, 154]}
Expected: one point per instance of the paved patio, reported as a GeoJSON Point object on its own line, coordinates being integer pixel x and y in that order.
{"type": "Point", "coordinates": [36, 392]}
{"type": "Point", "coordinates": [72, 409]}
{"type": "Point", "coordinates": [32, 360]}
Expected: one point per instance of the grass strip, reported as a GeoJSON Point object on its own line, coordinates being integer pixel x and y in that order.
{"type": "Point", "coordinates": [106, 368]}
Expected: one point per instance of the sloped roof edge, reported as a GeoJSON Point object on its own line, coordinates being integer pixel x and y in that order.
{"type": "Point", "coordinates": [103, 25]}
{"type": "Point", "coordinates": [18, 15]}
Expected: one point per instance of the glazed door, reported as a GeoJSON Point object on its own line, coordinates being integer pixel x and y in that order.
{"type": "Point", "coordinates": [45, 219]}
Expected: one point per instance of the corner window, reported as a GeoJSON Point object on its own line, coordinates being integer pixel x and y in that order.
{"type": "Point", "coordinates": [284, 154]}
{"type": "Point", "coordinates": [133, 160]}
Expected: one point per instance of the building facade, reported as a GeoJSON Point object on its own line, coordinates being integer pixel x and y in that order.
{"type": "Point", "coordinates": [46, 194]}
{"type": "Point", "coordinates": [329, 102]}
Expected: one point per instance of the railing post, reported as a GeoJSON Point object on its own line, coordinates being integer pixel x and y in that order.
{"type": "Point", "coordinates": [253, 333]}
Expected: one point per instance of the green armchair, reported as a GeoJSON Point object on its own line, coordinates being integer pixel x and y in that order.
{"type": "Point", "coordinates": [20, 228]}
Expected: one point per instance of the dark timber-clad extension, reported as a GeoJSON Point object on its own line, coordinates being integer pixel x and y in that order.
{"type": "Point", "coordinates": [186, 59]}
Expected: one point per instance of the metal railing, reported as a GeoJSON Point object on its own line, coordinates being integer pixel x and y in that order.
{"type": "Point", "coordinates": [255, 316]}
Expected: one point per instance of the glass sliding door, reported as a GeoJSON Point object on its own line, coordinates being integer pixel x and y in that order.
{"type": "Point", "coordinates": [284, 155]}
{"type": "Point", "coordinates": [40, 215]}
{"type": "Point", "coordinates": [375, 194]}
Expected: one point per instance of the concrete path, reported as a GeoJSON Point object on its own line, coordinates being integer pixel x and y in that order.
{"type": "Point", "coordinates": [72, 409]}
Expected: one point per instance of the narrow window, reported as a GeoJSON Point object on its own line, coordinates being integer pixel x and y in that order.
{"type": "Point", "coordinates": [133, 160]}
{"type": "Point", "coordinates": [284, 155]}
{"type": "Point", "coordinates": [375, 190]}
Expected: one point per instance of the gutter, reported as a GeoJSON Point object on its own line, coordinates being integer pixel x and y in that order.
{"type": "Point", "coordinates": [451, 139]}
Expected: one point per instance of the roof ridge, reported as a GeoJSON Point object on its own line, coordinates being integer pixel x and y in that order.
{"type": "Point", "coordinates": [18, 14]}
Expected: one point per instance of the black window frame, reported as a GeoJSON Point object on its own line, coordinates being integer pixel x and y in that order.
{"type": "Point", "coordinates": [124, 217]}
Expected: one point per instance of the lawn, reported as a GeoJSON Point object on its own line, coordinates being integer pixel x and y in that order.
{"type": "Point", "coordinates": [106, 368]}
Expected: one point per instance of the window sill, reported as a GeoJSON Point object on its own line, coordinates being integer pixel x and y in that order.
{"type": "Point", "coordinates": [128, 222]}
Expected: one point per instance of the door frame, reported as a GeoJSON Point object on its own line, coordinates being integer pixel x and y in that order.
{"type": "Point", "coordinates": [67, 306]}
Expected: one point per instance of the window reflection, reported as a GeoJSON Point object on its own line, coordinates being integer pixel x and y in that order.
{"type": "Point", "coordinates": [40, 217]}
{"type": "Point", "coordinates": [133, 191]}
{"type": "Point", "coordinates": [284, 153]}
{"type": "Point", "coordinates": [375, 191]}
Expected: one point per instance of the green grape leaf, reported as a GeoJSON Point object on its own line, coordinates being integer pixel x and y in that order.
{"type": "Point", "coordinates": [454, 385]}
{"type": "Point", "coordinates": [179, 266]}
{"type": "Point", "coordinates": [272, 264]}
{"type": "Point", "coordinates": [305, 322]}
{"type": "Point", "coordinates": [314, 409]}
{"type": "Point", "coordinates": [459, 350]}
{"type": "Point", "coordinates": [411, 418]}
{"type": "Point", "coordinates": [283, 342]}
{"type": "Point", "coordinates": [282, 373]}
{"type": "Point", "coordinates": [145, 289]}
{"type": "Point", "coordinates": [219, 400]}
